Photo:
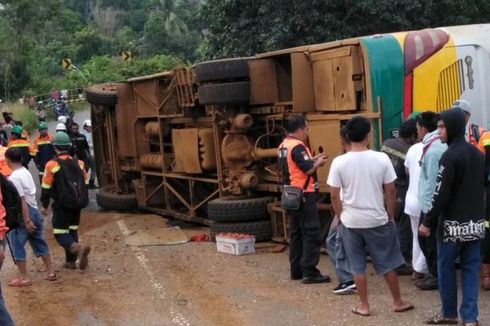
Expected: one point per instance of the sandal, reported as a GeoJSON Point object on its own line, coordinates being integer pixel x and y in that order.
{"type": "Point", "coordinates": [51, 277]}
{"type": "Point", "coordinates": [408, 307]}
{"type": "Point", "coordinates": [438, 320]}
{"type": "Point", "coordinates": [19, 283]}
{"type": "Point", "coordinates": [356, 311]}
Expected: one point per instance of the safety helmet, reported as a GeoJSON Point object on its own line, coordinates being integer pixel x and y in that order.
{"type": "Point", "coordinates": [87, 123]}
{"type": "Point", "coordinates": [61, 139]}
{"type": "Point", "coordinates": [62, 119]}
{"type": "Point", "coordinates": [42, 125]}
{"type": "Point", "coordinates": [60, 126]}
{"type": "Point", "coordinates": [17, 130]}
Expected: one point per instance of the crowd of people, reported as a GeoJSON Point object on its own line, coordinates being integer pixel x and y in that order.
{"type": "Point", "coordinates": [64, 162]}
{"type": "Point", "coordinates": [415, 208]}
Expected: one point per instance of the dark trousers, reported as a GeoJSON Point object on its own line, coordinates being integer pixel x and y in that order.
{"type": "Point", "coordinates": [65, 229]}
{"type": "Point", "coordinates": [428, 245]}
{"type": "Point", "coordinates": [404, 232]}
{"type": "Point", "coordinates": [486, 242]}
{"type": "Point", "coordinates": [486, 247]}
{"type": "Point", "coordinates": [305, 242]}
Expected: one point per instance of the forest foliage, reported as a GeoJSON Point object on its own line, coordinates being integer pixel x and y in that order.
{"type": "Point", "coordinates": [160, 34]}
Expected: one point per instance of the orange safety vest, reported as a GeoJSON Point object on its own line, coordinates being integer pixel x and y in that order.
{"type": "Point", "coordinates": [22, 143]}
{"type": "Point", "coordinates": [297, 177]}
{"type": "Point", "coordinates": [475, 133]}
{"type": "Point", "coordinates": [4, 168]}
{"type": "Point", "coordinates": [484, 141]}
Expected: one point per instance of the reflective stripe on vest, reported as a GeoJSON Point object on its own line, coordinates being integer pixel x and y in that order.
{"type": "Point", "coordinates": [393, 152]}
{"type": "Point", "coordinates": [297, 177]}
{"type": "Point", "coordinates": [61, 231]}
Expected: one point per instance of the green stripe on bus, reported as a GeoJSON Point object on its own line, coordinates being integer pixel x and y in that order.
{"type": "Point", "coordinates": [386, 73]}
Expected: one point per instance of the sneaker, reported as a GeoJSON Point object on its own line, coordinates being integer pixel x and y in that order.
{"type": "Point", "coordinates": [346, 287]}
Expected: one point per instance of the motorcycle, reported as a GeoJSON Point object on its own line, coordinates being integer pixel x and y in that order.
{"type": "Point", "coordinates": [59, 109]}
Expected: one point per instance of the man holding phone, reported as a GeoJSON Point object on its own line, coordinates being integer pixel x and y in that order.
{"type": "Point", "coordinates": [298, 167]}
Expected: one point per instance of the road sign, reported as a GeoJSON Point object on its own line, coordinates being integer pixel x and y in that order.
{"type": "Point", "coordinates": [66, 63]}
{"type": "Point", "coordinates": [126, 56]}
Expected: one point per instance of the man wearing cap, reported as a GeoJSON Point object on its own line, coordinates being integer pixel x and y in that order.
{"type": "Point", "coordinates": [18, 141]}
{"type": "Point", "coordinates": [65, 219]}
{"type": "Point", "coordinates": [87, 132]}
{"type": "Point", "coordinates": [473, 132]}
{"type": "Point", "coordinates": [43, 145]}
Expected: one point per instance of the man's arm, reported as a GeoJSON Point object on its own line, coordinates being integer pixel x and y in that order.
{"type": "Point", "coordinates": [390, 192]}
{"type": "Point", "coordinates": [46, 186]}
{"type": "Point", "coordinates": [307, 164]}
{"type": "Point", "coordinates": [335, 199]}
{"type": "Point", "coordinates": [444, 181]}
{"type": "Point", "coordinates": [26, 216]}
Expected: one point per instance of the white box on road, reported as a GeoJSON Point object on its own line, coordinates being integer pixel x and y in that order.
{"type": "Point", "coordinates": [228, 244]}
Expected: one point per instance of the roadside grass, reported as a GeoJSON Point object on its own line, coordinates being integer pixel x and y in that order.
{"type": "Point", "coordinates": [28, 117]}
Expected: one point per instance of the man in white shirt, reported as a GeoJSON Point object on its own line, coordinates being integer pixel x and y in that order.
{"type": "Point", "coordinates": [32, 228]}
{"type": "Point", "coordinates": [87, 132]}
{"type": "Point", "coordinates": [413, 208]}
{"type": "Point", "coordinates": [366, 224]}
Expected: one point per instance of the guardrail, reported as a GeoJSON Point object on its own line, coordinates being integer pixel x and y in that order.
{"type": "Point", "coordinates": [73, 95]}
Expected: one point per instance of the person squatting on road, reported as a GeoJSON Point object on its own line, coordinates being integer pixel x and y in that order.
{"type": "Point", "coordinates": [298, 168]}
{"type": "Point", "coordinates": [5, 318]}
{"type": "Point", "coordinates": [457, 217]}
{"type": "Point", "coordinates": [65, 180]}
{"type": "Point", "coordinates": [333, 245]}
{"type": "Point", "coordinates": [429, 163]}
{"type": "Point", "coordinates": [32, 227]}
{"type": "Point", "coordinates": [366, 224]}
{"type": "Point", "coordinates": [396, 149]}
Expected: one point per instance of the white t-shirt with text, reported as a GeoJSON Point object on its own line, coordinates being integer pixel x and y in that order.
{"type": "Point", "coordinates": [24, 183]}
{"type": "Point", "coordinates": [361, 175]}
{"type": "Point", "coordinates": [412, 163]}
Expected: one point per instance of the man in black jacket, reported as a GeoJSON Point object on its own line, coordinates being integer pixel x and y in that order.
{"type": "Point", "coordinates": [80, 148]}
{"type": "Point", "coordinates": [457, 216]}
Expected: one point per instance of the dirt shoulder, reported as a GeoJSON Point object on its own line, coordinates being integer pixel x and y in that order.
{"type": "Point", "coordinates": [191, 284]}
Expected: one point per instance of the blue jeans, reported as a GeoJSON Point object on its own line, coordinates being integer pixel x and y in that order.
{"type": "Point", "coordinates": [5, 319]}
{"type": "Point", "coordinates": [333, 242]}
{"type": "Point", "coordinates": [469, 253]}
{"type": "Point", "coordinates": [19, 236]}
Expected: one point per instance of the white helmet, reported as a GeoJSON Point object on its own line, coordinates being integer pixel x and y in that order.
{"type": "Point", "coordinates": [60, 126]}
{"type": "Point", "coordinates": [87, 123]}
{"type": "Point", "coordinates": [62, 119]}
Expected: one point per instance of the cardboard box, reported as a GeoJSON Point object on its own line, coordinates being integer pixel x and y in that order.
{"type": "Point", "coordinates": [228, 244]}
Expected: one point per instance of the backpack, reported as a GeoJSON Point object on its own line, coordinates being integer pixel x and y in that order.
{"type": "Point", "coordinates": [71, 192]}
{"type": "Point", "coordinates": [12, 203]}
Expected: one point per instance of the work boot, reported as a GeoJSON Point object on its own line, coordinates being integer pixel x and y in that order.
{"type": "Point", "coordinates": [82, 253]}
{"type": "Point", "coordinates": [485, 277]}
{"type": "Point", "coordinates": [404, 270]}
{"type": "Point", "coordinates": [70, 265]}
{"type": "Point", "coordinates": [428, 283]}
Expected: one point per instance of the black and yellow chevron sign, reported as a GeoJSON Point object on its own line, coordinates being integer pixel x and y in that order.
{"type": "Point", "coordinates": [126, 55]}
{"type": "Point", "coordinates": [66, 63]}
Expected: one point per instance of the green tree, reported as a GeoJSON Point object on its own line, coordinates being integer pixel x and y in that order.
{"type": "Point", "coordinates": [242, 27]}
{"type": "Point", "coordinates": [174, 15]}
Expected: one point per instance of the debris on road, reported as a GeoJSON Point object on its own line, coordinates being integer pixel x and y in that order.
{"type": "Point", "coordinates": [157, 237]}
